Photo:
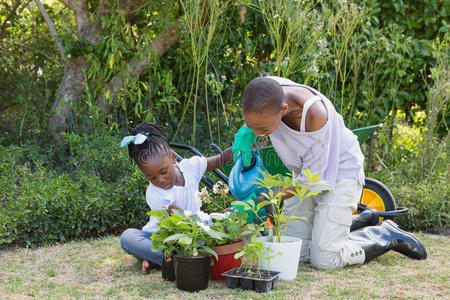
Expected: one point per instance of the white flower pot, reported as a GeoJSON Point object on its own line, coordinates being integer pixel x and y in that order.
{"type": "Point", "coordinates": [286, 256]}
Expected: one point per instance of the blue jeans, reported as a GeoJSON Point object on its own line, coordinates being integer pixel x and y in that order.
{"type": "Point", "coordinates": [138, 243]}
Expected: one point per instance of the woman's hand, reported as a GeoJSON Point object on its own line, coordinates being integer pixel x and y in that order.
{"type": "Point", "coordinates": [243, 145]}
{"type": "Point", "coordinates": [228, 209]}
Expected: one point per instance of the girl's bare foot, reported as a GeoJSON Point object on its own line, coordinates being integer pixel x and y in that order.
{"type": "Point", "coordinates": [147, 266]}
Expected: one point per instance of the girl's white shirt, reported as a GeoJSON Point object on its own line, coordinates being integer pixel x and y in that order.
{"type": "Point", "coordinates": [183, 196]}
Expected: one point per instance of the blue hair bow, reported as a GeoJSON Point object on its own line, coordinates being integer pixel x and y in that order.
{"type": "Point", "coordinates": [136, 139]}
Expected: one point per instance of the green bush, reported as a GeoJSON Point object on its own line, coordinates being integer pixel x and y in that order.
{"type": "Point", "coordinates": [427, 201]}
{"type": "Point", "coordinates": [38, 205]}
{"type": "Point", "coordinates": [99, 155]}
{"type": "Point", "coordinates": [426, 197]}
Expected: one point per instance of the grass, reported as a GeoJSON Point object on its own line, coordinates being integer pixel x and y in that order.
{"type": "Point", "coordinates": [100, 269]}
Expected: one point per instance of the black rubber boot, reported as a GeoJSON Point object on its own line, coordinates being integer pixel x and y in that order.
{"type": "Point", "coordinates": [368, 217]}
{"type": "Point", "coordinates": [377, 240]}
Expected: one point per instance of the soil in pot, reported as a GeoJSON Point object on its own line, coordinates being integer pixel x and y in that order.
{"type": "Point", "coordinates": [192, 272]}
{"type": "Point", "coordinates": [226, 260]}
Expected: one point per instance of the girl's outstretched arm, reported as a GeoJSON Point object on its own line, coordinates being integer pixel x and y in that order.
{"type": "Point", "coordinates": [219, 160]}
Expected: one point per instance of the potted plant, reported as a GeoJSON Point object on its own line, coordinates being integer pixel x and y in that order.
{"type": "Point", "coordinates": [189, 236]}
{"type": "Point", "coordinates": [232, 225]}
{"type": "Point", "coordinates": [288, 247]}
{"type": "Point", "coordinates": [250, 276]}
{"type": "Point", "coordinates": [168, 248]}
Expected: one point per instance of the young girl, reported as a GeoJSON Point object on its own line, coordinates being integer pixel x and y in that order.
{"type": "Point", "coordinates": [172, 185]}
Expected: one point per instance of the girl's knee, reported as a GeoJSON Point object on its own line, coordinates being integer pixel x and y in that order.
{"type": "Point", "coordinates": [128, 236]}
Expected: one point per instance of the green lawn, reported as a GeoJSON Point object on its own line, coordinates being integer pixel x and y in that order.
{"type": "Point", "coordinates": [100, 269]}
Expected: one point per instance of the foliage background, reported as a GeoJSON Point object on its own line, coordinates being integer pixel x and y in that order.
{"type": "Point", "coordinates": [378, 61]}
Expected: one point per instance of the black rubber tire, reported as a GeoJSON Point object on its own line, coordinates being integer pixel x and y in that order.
{"type": "Point", "coordinates": [383, 192]}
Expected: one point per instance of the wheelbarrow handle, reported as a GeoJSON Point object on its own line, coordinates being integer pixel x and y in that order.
{"type": "Point", "coordinates": [196, 152]}
{"type": "Point", "coordinates": [400, 211]}
{"type": "Point", "coordinates": [216, 148]}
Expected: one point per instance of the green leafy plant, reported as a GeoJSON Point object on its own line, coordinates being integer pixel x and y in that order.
{"type": "Point", "coordinates": [184, 233]}
{"type": "Point", "coordinates": [254, 252]}
{"type": "Point", "coordinates": [231, 224]}
{"type": "Point", "coordinates": [286, 185]}
{"type": "Point", "coordinates": [218, 200]}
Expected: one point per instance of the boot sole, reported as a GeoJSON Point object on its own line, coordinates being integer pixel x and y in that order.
{"type": "Point", "coordinates": [392, 225]}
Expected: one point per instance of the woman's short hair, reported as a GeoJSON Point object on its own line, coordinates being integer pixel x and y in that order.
{"type": "Point", "coordinates": [261, 95]}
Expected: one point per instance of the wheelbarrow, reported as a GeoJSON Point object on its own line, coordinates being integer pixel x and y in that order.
{"type": "Point", "coordinates": [375, 195]}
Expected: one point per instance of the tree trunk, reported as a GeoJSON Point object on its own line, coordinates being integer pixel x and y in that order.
{"type": "Point", "coordinates": [71, 87]}
{"type": "Point", "coordinates": [72, 83]}
{"type": "Point", "coordinates": [70, 90]}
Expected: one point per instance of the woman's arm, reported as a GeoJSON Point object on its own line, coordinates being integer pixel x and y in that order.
{"type": "Point", "coordinates": [219, 160]}
{"type": "Point", "coordinates": [287, 195]}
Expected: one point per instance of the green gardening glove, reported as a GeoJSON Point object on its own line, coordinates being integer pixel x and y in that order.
{"type": "Point", "coordinates": [243, 143]}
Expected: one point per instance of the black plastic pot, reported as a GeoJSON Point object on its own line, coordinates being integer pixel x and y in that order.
{"type": "Point", "coordinates": [251, 282]}
{"type": "Point", "coordinates": [192, 272]}
{"type": "Point", "coordinates": [168, 268]}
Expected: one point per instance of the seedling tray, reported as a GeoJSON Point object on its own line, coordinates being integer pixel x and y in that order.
{"type": "Point", "coordinates": [250, 280]}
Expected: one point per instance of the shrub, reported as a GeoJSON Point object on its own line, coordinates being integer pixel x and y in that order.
{"type": "Point", "coordinates": [426, 197]}
{"type": "Point", "coordinates": [426, 200]}
{"type": "Point", "coordinates": [38, 205]}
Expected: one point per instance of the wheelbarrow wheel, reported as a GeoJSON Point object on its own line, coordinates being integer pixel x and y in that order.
{"type": "Point", "coordinates": [377, 196]}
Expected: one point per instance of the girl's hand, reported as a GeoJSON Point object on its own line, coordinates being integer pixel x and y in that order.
{"type": "Point", "coordinates": [173, 206]}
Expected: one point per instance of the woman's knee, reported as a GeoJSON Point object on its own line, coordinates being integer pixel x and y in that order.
{"type": "Point", "coordinates": [325, 260]}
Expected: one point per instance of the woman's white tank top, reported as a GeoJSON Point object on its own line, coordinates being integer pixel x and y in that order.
{"type": "Point", "coordinates": [332, 152]}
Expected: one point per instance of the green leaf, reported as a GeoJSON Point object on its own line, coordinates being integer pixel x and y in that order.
{"type": "Point", "coordinates": [246, 232]}
{"type": "Point", "coordinates": [208, 250]}
{"type": "Point", "coordinates": [283, 218]}
{"type": "Point", "coordinates": [216, 234]}
{"type": "Point", "coordinates": [307, 174]}
{"type": "Point", "coordinates": [180, 237]}
{"type": "Point", "coordinates": [239, 254]}
{"type": "Point", "coordinates": [156, 213]}
{"type": "Point", "coordinates": [241, 203]}
{"type": "Point", "coordinates": [312, 193]}
{"type": "Point", "coordinates": [262, 204]}
{"type": "Point", "coordinates": [315, 177]}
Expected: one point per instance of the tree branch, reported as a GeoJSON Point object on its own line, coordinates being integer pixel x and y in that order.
{"type": "Point", "coordinates": [160, 45]}
{"type": "Point", "coordinates": [38, 51]}
{"type": "Point", "coordinates": [51, 27]}
{"type": "Point", "coordinates": [85, 29]}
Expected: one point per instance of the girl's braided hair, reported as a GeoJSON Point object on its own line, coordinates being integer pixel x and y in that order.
{"type": "Point", "coordinates": [155, 144]}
